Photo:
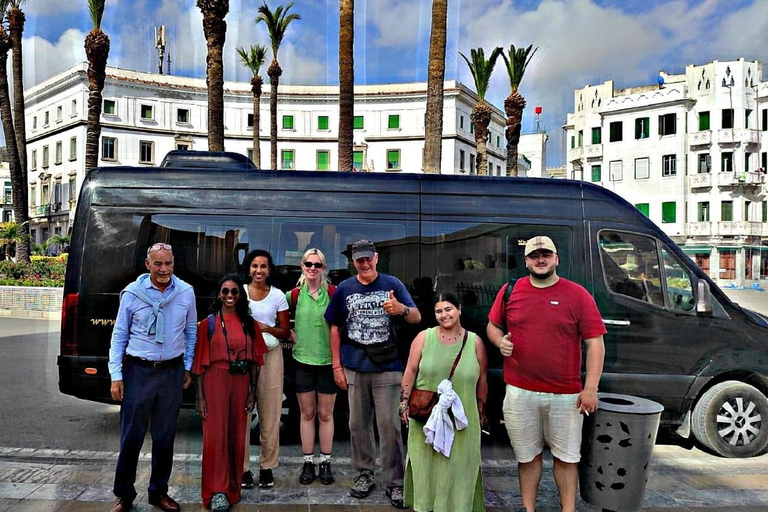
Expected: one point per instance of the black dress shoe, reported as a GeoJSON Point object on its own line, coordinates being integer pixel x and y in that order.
{"type": "Point", "coordinates": [164, 503]}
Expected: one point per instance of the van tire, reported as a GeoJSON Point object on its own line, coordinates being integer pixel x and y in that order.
{"type": "Point", "coordinates": [731, 419]}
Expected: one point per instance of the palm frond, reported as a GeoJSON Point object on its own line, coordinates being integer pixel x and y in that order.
{"type": "Point", "coordinates": [482, 69]}
{"type": "Point", "coordinates": [516, 61]}
{"type": "Point", "coordinates": [277, 22]}
{"type": "Point", "coordinates": [253, 57]}
{"type": "Point", "coordinates": [96, 9]}
{"type": "Point", "coordinates": [16, 4]}
{"type": "Point", "coordinates": [4, 4]}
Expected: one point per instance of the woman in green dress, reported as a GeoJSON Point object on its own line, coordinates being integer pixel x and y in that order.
{"type": "Point", "coordinates": [434, 482]}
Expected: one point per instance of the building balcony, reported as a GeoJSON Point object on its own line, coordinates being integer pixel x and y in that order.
{"type": "Point", "coordinates": [739, 228]}
{"type": "Point", "coordinates": [703, 180]}
{"type": "Point", "coordinates": [727, 179]}
{"type": "Point", "coordinates": [594, 151]}
{"type": "Point", "coordinates": [41, 209]}
{"type": "Point", "coordinates": [744, 179]}
{"type": "Point", "coordinates": [575, 154]}
{"type": "Point", "coordinates": [698, 229]}
{"type": "Point", "coordinates": [738, 136]}
{"type": "Point", "coordinates": [701, 138]}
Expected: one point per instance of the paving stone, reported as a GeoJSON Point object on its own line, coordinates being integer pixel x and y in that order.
{"type": "Point", "coordinates": [52, 492]}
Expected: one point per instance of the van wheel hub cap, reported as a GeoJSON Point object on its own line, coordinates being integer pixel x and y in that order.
{"type": "Point", "coordinates": [738, 422]}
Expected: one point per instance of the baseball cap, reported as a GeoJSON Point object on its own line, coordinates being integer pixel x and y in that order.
{"type": "Point", "coordinates": [363, 249]}
{"type": "Point", "coordinates": [540, 243]}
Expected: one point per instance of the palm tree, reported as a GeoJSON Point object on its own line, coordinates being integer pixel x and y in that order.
{"type": "Point", "coordinates": [433, 129]}
{"type": "Point", "coordinates": [481, 70]}
{"type": "Point", "coordinates": [60, 241]}
{"type": "Point", "coordinates": [97, 52]}
{"type": "Point", "coordinates": [277, 23]}
{"type": "Point", "coordinates": [10, 233]}
{"type": "Point", "coordinates": [18, 181]}
{"type": "Point", "coordinates": [253, 58]}
{"type": "Point", "coordinates": [516, 63]}
{"type": "Point", "coordinates": [346, 83]}
{"type": "Point", "coordinates": [215, 30]}
{"type": "Point", "coordinates": [16, 20]}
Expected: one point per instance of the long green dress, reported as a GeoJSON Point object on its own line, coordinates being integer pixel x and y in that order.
{"type": "Point", "coordinates": [434, 482]}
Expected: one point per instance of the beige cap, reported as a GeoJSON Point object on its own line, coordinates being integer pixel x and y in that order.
{"type": "Point", "coordinates": [540, 243]}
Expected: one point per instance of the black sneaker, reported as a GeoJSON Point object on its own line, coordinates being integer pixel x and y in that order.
{"type": "Point", "coordinates": [326, 476]}
{"type": "Point", "coordinates": [395, 495]}
{"type": "Point", "coordinates": [247, 480]}
{"type": "Point", "coordinates": [362, 485]}
{"type": "Point", "coordinates": [266, 480]}
{"type": "Point", "coordinates": [307, 475]}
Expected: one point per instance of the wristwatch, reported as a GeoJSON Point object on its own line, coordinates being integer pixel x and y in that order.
{"type": "Point", "coordinates": [406, 311]}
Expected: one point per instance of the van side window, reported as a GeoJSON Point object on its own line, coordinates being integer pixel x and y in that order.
{"type": "Point", "coordinates": [631, 266]}
{"type": "Point", "coordinates": [334, 237]}
{"type": "Point", "coordinates": [679, 283]}
{"type": "Point", "coordinates": [474, 259]}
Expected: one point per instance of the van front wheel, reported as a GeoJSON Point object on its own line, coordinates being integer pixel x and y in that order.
{"type": "Point", "coordinates": [731, 419]}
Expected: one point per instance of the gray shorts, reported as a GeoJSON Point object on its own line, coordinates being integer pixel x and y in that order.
{"type": "Point", "coordinates": [533, 419]}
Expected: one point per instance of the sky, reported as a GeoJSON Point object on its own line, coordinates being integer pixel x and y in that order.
{"type": "Point", "coordinates": [579, 42]}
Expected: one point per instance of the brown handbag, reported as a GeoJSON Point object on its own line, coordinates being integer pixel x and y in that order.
{"type": "Point", "coordinates": [421, 401]}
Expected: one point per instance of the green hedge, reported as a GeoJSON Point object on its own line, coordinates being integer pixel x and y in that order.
{"type": "Point", "coordinates": [42, 271]}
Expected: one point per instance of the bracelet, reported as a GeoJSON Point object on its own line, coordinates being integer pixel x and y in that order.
{"type": "Point", "coordinates": [406, 311]}
{"type": "Point", "coordinates": [338, 368]}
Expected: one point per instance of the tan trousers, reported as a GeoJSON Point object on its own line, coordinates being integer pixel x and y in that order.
{"type": "Point", "coordinates": [269, 405]}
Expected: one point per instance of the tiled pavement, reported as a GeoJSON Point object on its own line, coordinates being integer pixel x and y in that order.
{"type": "Point", "coordinates": [60, 480]}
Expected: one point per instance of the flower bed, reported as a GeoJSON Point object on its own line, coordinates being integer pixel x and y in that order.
{"type": "Point", "coordinates": [42, 271]}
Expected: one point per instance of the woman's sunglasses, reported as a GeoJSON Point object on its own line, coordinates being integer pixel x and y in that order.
{"type": "Point", "coordinates": [309, 264]}
{"type": "Point", "coordinates": [234, 291]}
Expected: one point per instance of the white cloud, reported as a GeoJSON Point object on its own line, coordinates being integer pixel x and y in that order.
{"type": "Point", "coordinates": [399, 23]}
{"type": "Point", "coordinates": [43, 59]}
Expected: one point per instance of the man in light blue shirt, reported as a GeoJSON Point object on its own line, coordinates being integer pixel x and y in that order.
{"type": "Point", "coordinates": [150, 357]}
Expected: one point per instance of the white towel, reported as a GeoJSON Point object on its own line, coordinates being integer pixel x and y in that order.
{"type": "Point", "coordinates": [439, 427]}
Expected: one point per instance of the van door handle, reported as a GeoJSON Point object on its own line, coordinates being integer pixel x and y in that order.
{"type": "Point", "coordinates": [620, 323]}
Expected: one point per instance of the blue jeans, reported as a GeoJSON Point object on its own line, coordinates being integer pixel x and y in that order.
{"type": "Point", "coordinates": [152, 396]}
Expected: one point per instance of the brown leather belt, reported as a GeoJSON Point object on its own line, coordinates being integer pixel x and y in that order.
{"type": "Point", "coordinates": [156, 364]}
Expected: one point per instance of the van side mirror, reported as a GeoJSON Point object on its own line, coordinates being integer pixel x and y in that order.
{"type": "Point", "coordinates": [703, 298]}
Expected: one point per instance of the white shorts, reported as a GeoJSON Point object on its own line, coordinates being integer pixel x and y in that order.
{"type": "Point", "coordinates": [534, 418]}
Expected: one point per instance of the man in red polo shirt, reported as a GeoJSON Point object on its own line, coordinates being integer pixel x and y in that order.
{"type": "Point", "coordinates": [539, 331]}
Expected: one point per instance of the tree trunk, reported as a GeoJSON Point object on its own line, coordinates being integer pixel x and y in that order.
{"type": "Point", "coordinates": [274, 73]}
{"type": "Point", "coordinates": [215, 30]}
{"type": "Point", "coordinates": [18, 182]}
{"type": "Point", "coordinates": [346, 84]}
{"type": "Point", "coordinates": [433, 123]}
{"type": "Point", "coordinates": [16, 20]}
{"type": "Point", "coordinates": [97, 52]}
{"type": "Point", "coordinates": [481, 117]}
{"type": "Point", "coordinates": [513, 106]}
{"type": "Point", "coordinates": [256, 90]}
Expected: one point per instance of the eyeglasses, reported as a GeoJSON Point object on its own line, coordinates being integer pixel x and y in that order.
{"type": "Point", "coordinates": [309, 264]}
{"type": "Point", "coordinates": [234, 291]}
{"type": "Point", "coordinates": [158, 246]}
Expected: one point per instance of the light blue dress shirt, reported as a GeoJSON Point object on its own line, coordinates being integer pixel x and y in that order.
{"type": "Point", "coordinates": [130, 335]}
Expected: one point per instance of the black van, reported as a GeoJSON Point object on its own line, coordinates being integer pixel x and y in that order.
{"type": "Point", "coordinates": [673, 336]}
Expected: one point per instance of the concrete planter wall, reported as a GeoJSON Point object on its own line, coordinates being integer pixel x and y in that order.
{"type": "Point", "coordinates": [30, 301]}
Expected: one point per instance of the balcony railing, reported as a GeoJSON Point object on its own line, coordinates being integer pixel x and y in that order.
{"type": "Point", "coordinates": [575, 154]}
{"type": "Point", "coordinates": [702, 138]}
{"type": "Point", "coordinates": [698, 228]}
{"type": "Point", "coordinates": [703, 180]}
{"type": "Point", "coordinates": [594, 151]}
{"type": "Point", "coordinates": [739, 228]}
{"type": "Point", "coordinates": [42, 209]}
{"type": "Point", "coordinates": [742, 136]}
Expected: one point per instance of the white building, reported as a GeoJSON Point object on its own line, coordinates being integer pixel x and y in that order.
{"type": "Point", "coordinates": [691, 153]}
{"type": "Point", "coordinates": [6, 200]}
{"type": "Point", "coordinates": [146, 115]}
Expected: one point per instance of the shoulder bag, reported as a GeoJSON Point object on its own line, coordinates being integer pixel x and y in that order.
{"type": "Point", "coordinates": [421, 401]}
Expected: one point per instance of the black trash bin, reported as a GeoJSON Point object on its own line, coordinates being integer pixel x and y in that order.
{"type": "Point", "coordinates": [616, 448]}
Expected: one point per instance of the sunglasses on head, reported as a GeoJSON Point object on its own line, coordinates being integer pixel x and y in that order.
{"type": "Point", "coordinates": [234, 291]}
{"type": "Point", "coordinates": [158, 246]}
{"type": "Point", "coordinates": [309, 264]}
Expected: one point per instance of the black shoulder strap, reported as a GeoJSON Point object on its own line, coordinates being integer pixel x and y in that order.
{"type": "Point", "coordinates": [507, 295]}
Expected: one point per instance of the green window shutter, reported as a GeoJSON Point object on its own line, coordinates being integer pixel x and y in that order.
{"type": "Point", "coordinates": [703, 121]}
{"type": "Point", "coordinates": [322, 122]}
{"type": "Point", "coordinates": [287, 158]}
{"type": "Point", "coordinates": [643, 208]}
{"type": "Point", "coordinates": [357, 160]}
{"type": "Point", "coordinates": [393, 159]}
{"type": "Point", "coordinates": [323, 159]}
{"type": "Point", "coordinates": [765, 211]}
{"type": "Point", "coordinates": [581, 138]}
{"type": "Point", "coordinates": [596, 173]}
{"type": "Point", "coordinates": [597, 135]}
{"type": "Point", "coordinates": [668, 212]}
{"type": "Point", "coordinates": [287, 122]}
{"type": "Point", "coordinates": [726, 211]}
{"type": "Point", "coordinates": [394, 122]}
{"type": "Point", "coordinates": [358, 123]}
{"type": "Point", "coordinates": [573, 141]}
